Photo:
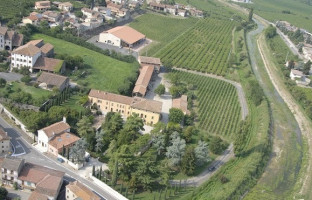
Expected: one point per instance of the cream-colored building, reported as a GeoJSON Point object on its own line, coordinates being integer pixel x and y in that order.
{"type": "Point", "coordinates": [122, 36]}
{"type": "Point", "coordinates": [5, 144]}
{"type": "Point", "coordinates": [148, 110]}
{"type": "Point", "coordinates": [76, 190]}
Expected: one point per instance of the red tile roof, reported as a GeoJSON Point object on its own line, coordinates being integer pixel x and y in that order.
{"type": "Point", "coordinates": [181, 103]}
{"type": "Point", "coordinates": [126, 33]}
{"type": "Point", "coordinates": [143, 80]}
{"type": "Point", "coordinates": [64, 139]}
{"type": "Point", "coordinates": [56, 128]}
{"type": "Point", "coordinates": [81, 191]}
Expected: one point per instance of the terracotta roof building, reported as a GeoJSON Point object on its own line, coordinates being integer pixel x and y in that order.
{"type": "Point", "coordinates": [34, 55]}
{"type": "Point", "coordinates": [49, 81]}
{"type": "Point", "coordinates": [45, 182]}
{"type": "Point", "coordinates": [5, 140]}
{"type": "Point", "coordinates": [56, 136]}
{"type": "Point", "coordinates": [76, 190]}
{"type": "Point", "coordinates": [148, 110]}
{"type": "Point", "coordinates": [181, 103]}
{"type": "Point", "coordinates": [142, 83]}
{"type": "Point", "coordinates": [49, 65]}
{"type": "Point", "coordinates": [122, 36]}
{"type": "Point", "coordinates": [9, 40]}
{"type": "Point", "coordinates": [64, 140]}
{"type": "Point", "coordinates": [42, 5]}
{"type": "Point", "coordinates": [143, 60]}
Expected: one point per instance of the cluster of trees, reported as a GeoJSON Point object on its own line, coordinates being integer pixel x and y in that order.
{"type": "Point", "coordinates": [270, 32]}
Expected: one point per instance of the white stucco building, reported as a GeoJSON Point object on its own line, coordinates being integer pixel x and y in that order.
{"type": "Point", "coordinates": [25, 56]}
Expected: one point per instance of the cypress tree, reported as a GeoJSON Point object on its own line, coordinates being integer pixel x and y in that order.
{"type": "Point", "coordinates": [93, 170]}
{"type": "Point", "coordinates": [133, 194]}
{"type": "Point", "coordinates": [115, 174]}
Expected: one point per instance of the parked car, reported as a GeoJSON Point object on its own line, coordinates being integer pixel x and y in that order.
{"type": "Point", "coordinates": [60, 160]}
{"type": "Point", "coordinates": [211, 169]}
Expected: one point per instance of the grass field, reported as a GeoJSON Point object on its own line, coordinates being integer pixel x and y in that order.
{"type": "Point", "coordinates": [204, 48]}
{"type": "Point", "coordinates": [272, 10]}
{"type": "Point", "coordinates": [73, 103]}
{"type": "Point", "coordinates": [217, 104]}
{"type": "Point", "coordinates": [105, 74]}
{"type": "Point", "coordinates": [160, 29]}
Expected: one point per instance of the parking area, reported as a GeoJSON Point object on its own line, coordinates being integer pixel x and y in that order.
{"type": "Point", "coordinates": [104, 46]}
{"type": "Point", "coordinates": [166, 98]}
{"type": "Point", "coordinates": [10, 76]}
{"type": "Point", "coordinates": [18, 194]}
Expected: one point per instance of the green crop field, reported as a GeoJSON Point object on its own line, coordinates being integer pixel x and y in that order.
{"type": "Point", "coordinates": [161, 29]}
{"type": "Point", "coordinates": [205, 47]}
{"type": "Point", "coordinates": [106, 73]}
{"type": "Point", "coordinates": [217, 104]}
{"type": "Point", "coordinates": [300, 11]}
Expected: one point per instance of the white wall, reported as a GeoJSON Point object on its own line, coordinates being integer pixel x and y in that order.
{"type": "Point", "coordinates": [110, 39]}
{"type": "Point", "coordinates": [18, 61]}
{"type": "Point", "coordinates": [43, 139]}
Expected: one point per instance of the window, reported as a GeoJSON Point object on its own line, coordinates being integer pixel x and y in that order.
{"type": "Point", "coordinates": [99, 101]}
{"type": "Point", "coordinates": [152, 117]}
{"type": "Point", "coordinates": [28, 183]}
{"type": "Point", "coordinates": [145, 116]}
{"type": "Point", "coordinates": [112, 104]}
{"type": "Point", "coordinates": [105, 108]}
{"type": "Point", "coordinates": [30, 61]}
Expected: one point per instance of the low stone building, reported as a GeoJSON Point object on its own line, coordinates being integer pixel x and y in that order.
{"type": "Point", "coordinates": [49, 81]}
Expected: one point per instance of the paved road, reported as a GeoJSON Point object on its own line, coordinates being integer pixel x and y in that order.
{"type": "Point", "coordinates": [205, 175]}
{"type": "Point", "coordinates": [10, 76]}
{"type": "Point", "coordinates": [33, 156]}
{"type": "Point", "coordinates": [238, 86]}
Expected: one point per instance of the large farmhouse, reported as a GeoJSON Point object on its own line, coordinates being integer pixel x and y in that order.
{"type": "Point", "coordinates": [35, 56]}
{"type": "Point", "coordinates": [122, 36]}
{"type": "Point", "coordinates": [148, 110]}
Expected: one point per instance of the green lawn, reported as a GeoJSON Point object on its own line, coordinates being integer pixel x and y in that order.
{"type": "Point", "coordinates": [161, 29]}
{"type": "Point", "coordinates": [106, 73]}
{"type": "Point", "coordinates": [73, 103]}
{"type": "Point", "coordinates": [301, 12]}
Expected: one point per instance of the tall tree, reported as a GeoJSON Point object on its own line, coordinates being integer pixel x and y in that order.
{"type": "Point", "coordinates": [188, 162]}
{"type": "Point", "coordinates": [160, 90]}
{"type": "Point", "coordinates": [84, 126]}
{"type": "Point", "coordinates": [78, 151]}
{"type": "Point", "coordinates": [99, 141]}
{"type": "Point", "coordinates": [250, 15]}
{"type": "Point", "coordinates": [201, 153]}
{"type": "Point", "coordinates": [176, 150]}
{"type": "Point", "coordinates": [159, 143]}
{"type": "Point", "coordinates": [176, 115]}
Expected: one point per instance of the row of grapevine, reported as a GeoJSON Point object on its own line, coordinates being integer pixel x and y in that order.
{"type": "Point", "coordinates": [218, 108]}
{"type": "Point", "coordinates": [204, 48]}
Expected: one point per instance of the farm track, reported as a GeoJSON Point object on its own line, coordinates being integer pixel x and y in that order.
{"type": "Point", "coordinates": [238, 86]}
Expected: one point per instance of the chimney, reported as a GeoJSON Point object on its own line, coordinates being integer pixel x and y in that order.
{"type": "Point", "coordinates": [53, 133]}
{"type": "Point", "coordinates": [64, 119]}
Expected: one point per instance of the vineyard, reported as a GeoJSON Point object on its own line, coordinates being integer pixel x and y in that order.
{"type": "Point", "coordinates": [217, 104]}
{"type": "Point", "coordinates": [205, 47]}
{"type": "Point", "coordinates": [160, 29]}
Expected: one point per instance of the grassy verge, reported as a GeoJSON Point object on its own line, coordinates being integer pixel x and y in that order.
{"type": "Point", "coordinates": [105, 73]}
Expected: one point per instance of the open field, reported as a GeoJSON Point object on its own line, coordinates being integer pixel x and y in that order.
{"type": "Point", "coordinates": [300, 12]}
{"type": "Point", "coordinates": [160, 29]}
{"type": "Point", "coordinates": [73, 103]}
{"type": "Point", "coordinates": [205, 47]}
{"type": "Point", "coordinates": [105, 74]}
{"type": "Point", "coordinates": [217, 104]}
